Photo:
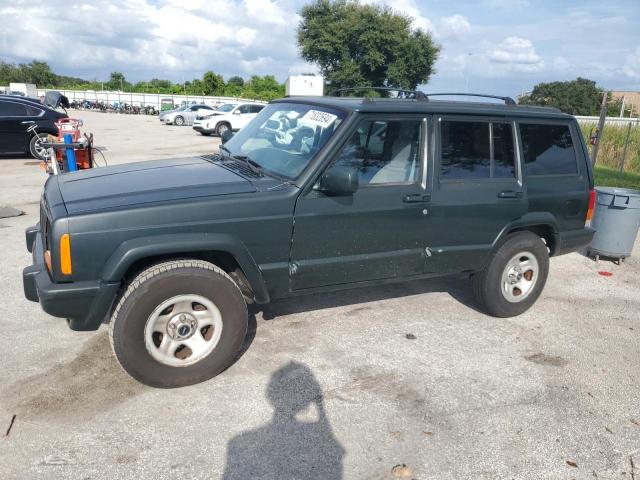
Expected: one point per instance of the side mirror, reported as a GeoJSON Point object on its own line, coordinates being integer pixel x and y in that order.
{"type": "Point", "coordinates": [226, 136]}
{"type": "Point", "coordinates": [339, 180]}
{"type": "Point", "coordinates": [237, 112]}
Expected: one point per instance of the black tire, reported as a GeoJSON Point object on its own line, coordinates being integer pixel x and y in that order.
{"type": "Point", "coordinates": [33, 145]}
{"type": "Point", "coordinates": [488, 284]}
{"type": "Point", "coordinates": [150, 289]}
{"type": "Point", "coordinates": [221, 128]}
{"type": "Point", "coordinates": [179, 120]}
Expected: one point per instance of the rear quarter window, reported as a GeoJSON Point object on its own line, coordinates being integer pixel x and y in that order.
{"type": "Point", "coordinates": [548, 149]}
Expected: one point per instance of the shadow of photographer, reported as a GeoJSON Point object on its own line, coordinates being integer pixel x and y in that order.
{"type": "Point", "coordinates": [298, 442]}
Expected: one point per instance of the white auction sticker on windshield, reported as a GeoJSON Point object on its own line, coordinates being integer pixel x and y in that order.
{"type": "Point", "coordinates": [317, 117]}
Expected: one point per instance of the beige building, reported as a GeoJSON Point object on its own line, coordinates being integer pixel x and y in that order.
{"type": "Point", "coordinates": [631, 100]}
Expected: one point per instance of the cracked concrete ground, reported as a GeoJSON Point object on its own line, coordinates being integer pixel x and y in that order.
{"type": "Point", "coordinates": [345, 385]}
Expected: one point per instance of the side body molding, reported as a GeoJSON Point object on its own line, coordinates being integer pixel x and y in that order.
{"type": "Point", "coordinates": [136, 249]}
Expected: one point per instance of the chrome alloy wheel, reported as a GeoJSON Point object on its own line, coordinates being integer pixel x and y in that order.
{"type": "Point", "coordinates": [40, 150]}
{"type": "Point", "coordinates": [519, 277]}
{"type": "Point", "coordinates": [183, 330]}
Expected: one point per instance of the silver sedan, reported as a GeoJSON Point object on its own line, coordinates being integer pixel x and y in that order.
{"type": "Point", "coordinates": [185, 115]}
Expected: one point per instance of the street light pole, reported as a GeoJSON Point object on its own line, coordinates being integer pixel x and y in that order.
{"type": "Point", "coordinates": [603, 117]}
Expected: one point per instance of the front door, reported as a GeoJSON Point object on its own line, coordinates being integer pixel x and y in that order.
{"type": "Point", "coordinates": [14, 122]}
{"type": "Point", "coordinates": [378, 231]}
{"type": "Point", "coordinates": [477, 189]}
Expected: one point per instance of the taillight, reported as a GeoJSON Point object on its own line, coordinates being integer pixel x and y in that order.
{"type": "Point", "coordinates": [592, 204]}
{"type": "Point", "coordinates": [65, 254]}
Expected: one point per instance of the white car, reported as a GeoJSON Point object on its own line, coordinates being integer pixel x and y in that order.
{"type": "Point", "coordinates": [186, 114]}
{"type": "Point", "coordinates": [229, 116]}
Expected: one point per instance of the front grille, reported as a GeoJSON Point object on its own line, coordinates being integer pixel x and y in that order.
{"type": "Point", "coordinates": [236, 166]}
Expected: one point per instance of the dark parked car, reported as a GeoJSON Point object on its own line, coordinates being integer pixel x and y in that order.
{"type": "Point", "coordinates": [17, 115]}
{"type": "Point", "coordinates": [314, 194]}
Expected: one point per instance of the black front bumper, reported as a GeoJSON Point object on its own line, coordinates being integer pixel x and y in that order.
{"type": "Point", "coordinates": [84, 304]}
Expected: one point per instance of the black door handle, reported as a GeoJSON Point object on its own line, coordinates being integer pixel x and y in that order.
{"type": "Point", "coordinates": [416, 198]}
{"type": "Point", "coordinates": [509, 194]}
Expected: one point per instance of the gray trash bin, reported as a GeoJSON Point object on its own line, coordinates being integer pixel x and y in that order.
{"type": "Point", "coordinates": [616, 220]}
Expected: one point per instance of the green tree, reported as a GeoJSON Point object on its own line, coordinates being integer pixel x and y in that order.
{"type": "Point", "coordinates": [577, 97]}
{"type": "Point", "coordinates": [357, 44]}
{"type": "Point", "coordinates": [236, 80]}
{"type": "Point", "coordinates": [263, 88]}
{"type": "Point", "coordinates": [213, 84]}
{"type": "Point", "coordinates": [117, 81]}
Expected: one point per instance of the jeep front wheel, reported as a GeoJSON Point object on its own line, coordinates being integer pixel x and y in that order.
{"type": "Point", "coordinates": [515, 276]}
{"type": "Point", "coordinates": [178, 323]}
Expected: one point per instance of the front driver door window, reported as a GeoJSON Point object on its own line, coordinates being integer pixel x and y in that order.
{"type": "Point", "coordinates": [376, 232]}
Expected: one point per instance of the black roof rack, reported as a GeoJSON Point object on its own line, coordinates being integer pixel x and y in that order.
{"type": "Point", "coordinates": [406, 93]}
{"type": "Point", "coordinates": [506, 100]}
{"type": "Point", "coordinates": [418, 95]}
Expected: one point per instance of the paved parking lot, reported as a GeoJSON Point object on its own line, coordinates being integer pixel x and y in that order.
{"type": "Point", "coordinates": [346, 385]}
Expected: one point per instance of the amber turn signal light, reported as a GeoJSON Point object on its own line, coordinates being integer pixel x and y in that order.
{"type": "Point", "coordinates": [65, 254]}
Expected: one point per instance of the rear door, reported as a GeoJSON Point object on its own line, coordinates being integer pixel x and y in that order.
{"type": "Point", "coordinates": [15, 119]}
{"type": "Point", "coordinates": [243, 115]}
{"type": "Point", "coordinates": [477, 189]}
{"type": "Point", "coordinates": [557, 181]}
{"type": "Point", "coordinates": [377, 232]}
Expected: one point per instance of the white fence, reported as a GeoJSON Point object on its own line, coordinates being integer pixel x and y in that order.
{"type": "Point", "coordinates": [139, 99]}
{"type": "Point", "coordinates": [622, 121]}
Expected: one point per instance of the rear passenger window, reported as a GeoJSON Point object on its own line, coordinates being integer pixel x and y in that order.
{"type": "Point", "coordinates": [33, 111]}
{"type": "Point", "coordinates": [548, 149]}
{"type": "Point", "coordinates": [476, 150]}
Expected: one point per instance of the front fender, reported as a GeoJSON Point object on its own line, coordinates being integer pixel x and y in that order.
{"type": "Point", "coordinates": [136, 249]}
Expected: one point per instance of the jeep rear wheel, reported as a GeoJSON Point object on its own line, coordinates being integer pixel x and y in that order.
{"type": "Point", "coordinates": [178, 323]}
{"type": "Point", "coordinates": [515, 276]}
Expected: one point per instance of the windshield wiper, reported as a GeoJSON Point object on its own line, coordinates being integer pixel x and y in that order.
{"type": "Point", "coordinates": [252, 164]}
{"type": "Point", "coordinates": [225, 149]}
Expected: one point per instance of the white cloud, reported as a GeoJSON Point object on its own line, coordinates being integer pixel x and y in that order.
{"type": "Point", "coordinates": [454, 27]}
{"type": "Point", "coordinates": [409, 7]}
{"type": "Point", "coordinates": [154, 38]}
{"type": "Point", "coordinates": [560, 63]}
{"type": "Point", "coordinates": [518, 53]}
{"type": "Point", "coordinates": [631, 67]}
{"type": "Point", "coordinates": [507, 4]}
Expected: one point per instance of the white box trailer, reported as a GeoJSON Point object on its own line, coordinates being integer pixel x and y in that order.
{"type": "Point", "coordinates": [307, 85]}
{"type": "Point", "coordinates": [27, 89]}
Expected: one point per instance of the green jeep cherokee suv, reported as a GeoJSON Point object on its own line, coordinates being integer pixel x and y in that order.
{"type": "Point", "coordinates": [314, 194]}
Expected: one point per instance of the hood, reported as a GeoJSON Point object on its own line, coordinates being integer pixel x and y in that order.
{"type": "Point", "coordinates": [146, 182]}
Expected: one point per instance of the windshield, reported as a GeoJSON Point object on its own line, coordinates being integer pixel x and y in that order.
{"type": "Point", "coordinates": [226, 107]}
{"type": "Point", "coordinates": [284, 137]}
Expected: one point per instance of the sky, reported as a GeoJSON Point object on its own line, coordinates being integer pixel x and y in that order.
{"type": "Point", "coordinates": [501, 47]}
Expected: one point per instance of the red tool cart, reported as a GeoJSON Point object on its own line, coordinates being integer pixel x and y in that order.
{"type": "Point", "coordinates": [82, 147]}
